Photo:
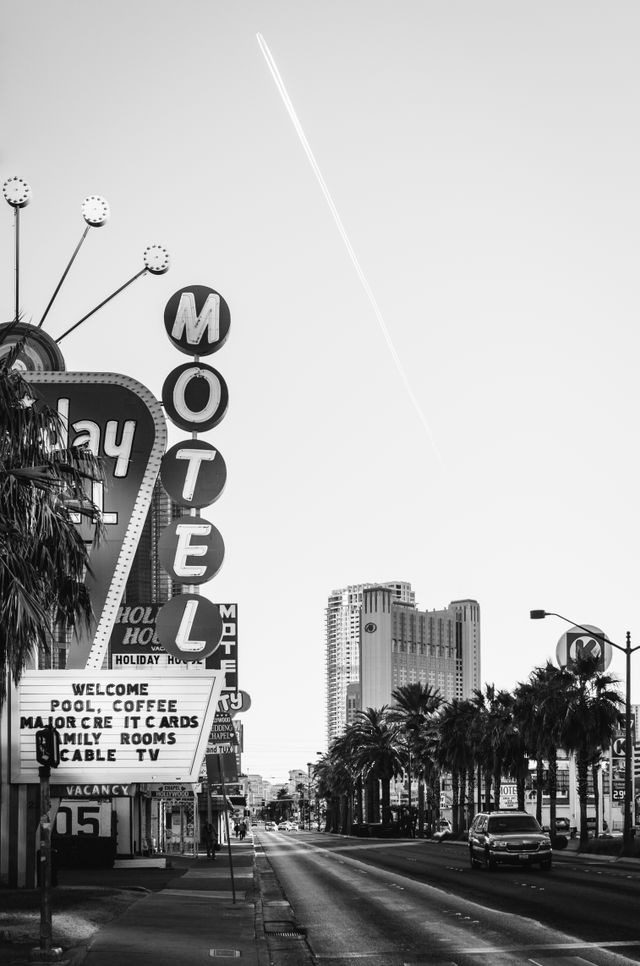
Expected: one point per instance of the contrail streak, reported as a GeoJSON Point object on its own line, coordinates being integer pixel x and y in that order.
{"type": "Point", "coordinates": [275, 73]}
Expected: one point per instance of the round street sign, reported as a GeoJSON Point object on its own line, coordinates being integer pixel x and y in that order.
{"type": "Point", "coordinates": [189, 627]}
{"type": "Point", "coordinates": [193, 473]}
{"type": "Point", "coordinates": [38, 354]}
{"type": "Point", "coordinates": [583, 641]}
{"type": "Point", "coordinates": [195, 397]}
{"type": "Point", "coordinates": [197, 320]}
{"type": "Point", "coordinates": [191, 550]}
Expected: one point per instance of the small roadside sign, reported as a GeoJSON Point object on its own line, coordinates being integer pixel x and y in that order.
{"type": "Point", "coordinates": [222, 731]}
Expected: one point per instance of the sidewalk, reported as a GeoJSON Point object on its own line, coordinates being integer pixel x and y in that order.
{"type": "Point", "coordinates": [182, 915]}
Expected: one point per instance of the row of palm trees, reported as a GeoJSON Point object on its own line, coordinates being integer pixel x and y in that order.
{"type": "Point", "coordinates": [475, 742]}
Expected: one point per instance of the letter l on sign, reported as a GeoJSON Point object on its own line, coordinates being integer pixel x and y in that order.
{"type": "Point", "coordinates": [182, 637]}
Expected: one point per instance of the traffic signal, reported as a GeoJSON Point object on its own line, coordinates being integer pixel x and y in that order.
{"type": "Point", "coordinates": [48, 746]}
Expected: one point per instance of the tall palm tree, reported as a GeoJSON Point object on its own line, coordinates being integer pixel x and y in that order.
{"type": "Point", "coordinates": [324, 771]}
{"type": "Point", "coordinates": [43, 559]}
{"type": "Point", "coordinates": [378, 754]}
{"type": "Point", "coordinates": [342, 752]}
{"type": "Point", "coordinates": [590, 723]}
{"type": "Point", "coordinates": [550, 693]}
{"type": "Point", "coordinates": [454, 754]}
{"type": "Point", "coordinates": [495, 721]}
{"type": "Point", "coordinates": [414, 708]}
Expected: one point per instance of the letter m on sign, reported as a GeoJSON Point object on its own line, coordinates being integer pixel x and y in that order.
{"type": "Point", "coordinates": [193, 325]}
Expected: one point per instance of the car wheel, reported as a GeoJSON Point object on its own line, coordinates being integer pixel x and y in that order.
{"type": "Point", "coordinates": [489, 861]}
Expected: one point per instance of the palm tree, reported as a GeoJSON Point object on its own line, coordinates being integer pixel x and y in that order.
{"type": "Point", "coordinates": [324, 773]}
{"type": "Point", "coordinates": [414, 710]}
{"type": "Point", "coordinates": [43, 558]}
{"type": "Point", "coordinates": [591, 719]}
{"type": "Point", "coordinates": [378, 755]}
{"type": "Point", "coordinates": [494, 721]}
{"type": "Point", "coordinates": [454, 753]}
{"type": "Point", "coordinates": [342, 752]}
{"type": "Point", "coordinates": [548, 694]}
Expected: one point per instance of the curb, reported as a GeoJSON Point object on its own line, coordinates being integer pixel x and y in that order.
{"type": "Point", "coordinates": [273, 908]}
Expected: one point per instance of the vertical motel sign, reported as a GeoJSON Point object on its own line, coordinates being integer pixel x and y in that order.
{"type": "Point", "coordinates": [195, 397]}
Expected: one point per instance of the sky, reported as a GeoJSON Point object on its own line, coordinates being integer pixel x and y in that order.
{"type": "Point", "coordinates": [442, 388]}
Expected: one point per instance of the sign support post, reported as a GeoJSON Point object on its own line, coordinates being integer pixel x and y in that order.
{"type": "Point", "coordinates": [226, 822]}
{"type": "Point", "coordinates": [46, 952]}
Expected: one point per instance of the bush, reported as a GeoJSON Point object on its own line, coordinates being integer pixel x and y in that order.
{"type": "Point", "coordinates": [610, 845]}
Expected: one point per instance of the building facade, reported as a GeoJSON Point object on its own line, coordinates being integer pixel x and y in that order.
{"type": "Point", "coordinates": [342, 620]}
{"type": "Point", "coordinates": [401, 645]}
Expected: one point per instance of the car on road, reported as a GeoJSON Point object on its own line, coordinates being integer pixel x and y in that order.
{"type": "Point", "coordinates": [443, 831]}
{"type": "Point", "coordinates": [287, 826]}
{"type": "Point", "coordinates": [270, 826]}
{"type": "Point", "coordinates": [508, 838]}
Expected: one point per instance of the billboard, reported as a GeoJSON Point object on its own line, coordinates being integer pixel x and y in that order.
{"type": "Point", "coordinates": [121, 422]}
{"type": "Point", "coordinates": [135, 643]}
{"type": "Point", "coordinates": [115, 726]}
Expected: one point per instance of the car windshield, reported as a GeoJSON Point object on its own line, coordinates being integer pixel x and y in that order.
{"type": "Point", "coordinates": [510, 824]}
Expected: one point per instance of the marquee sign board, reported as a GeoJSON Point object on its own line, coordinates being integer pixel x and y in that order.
{"type": "Point", "coordinates": [115, 726]}
{"type": "Point", "coordinates": [123, 424]}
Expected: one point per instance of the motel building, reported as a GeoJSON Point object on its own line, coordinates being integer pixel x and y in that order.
{"type": "Point", "coordinates": [133, 706]}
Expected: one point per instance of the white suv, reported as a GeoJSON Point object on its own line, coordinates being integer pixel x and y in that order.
{"type": "Point", "coordinates": [508, 838]}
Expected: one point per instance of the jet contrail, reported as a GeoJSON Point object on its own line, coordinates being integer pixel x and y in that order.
{"type": "Point", "coordinates": [275, 73]}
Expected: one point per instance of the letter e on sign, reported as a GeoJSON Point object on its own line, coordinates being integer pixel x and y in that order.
{"type": "Point", "coordinates": [189, 627]}
{"type": "Point", "coordinates": [193, 473]}
{"type": "Point", "coordinates": [195, 397]}
{"type": "Point", "coordinates": [191, 550]}
{"type": "Point", "coordinates": [197, 320]}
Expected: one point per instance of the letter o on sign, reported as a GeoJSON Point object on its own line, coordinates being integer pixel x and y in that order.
{"type": "Point", "coordinates": [195, 397]}
{"type": "Point", "coordinates": [191, 550]}
{"type": "Point", "coordinates": [189, 627]}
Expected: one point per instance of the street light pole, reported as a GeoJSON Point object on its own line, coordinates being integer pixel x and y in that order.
{"type": "Point", "coordinates": [627, 650]}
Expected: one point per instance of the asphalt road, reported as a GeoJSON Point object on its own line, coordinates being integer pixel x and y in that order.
{"type": "Point", "coordinates": [416, 902]}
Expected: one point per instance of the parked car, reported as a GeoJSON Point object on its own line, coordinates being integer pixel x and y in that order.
{"type": "Point", "coordinates": [508, 838]}
{"type": "Point", "coordinates": [563, 825]}
{"type": "Point", "coordinates": [287, 826]}
{"type": "Point", "coordinates": [443, 831]}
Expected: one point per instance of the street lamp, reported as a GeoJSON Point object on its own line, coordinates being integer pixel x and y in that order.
{"type": "Point", "coordinates": [627, 651]}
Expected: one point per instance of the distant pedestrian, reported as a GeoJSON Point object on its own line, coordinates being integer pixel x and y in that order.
{"type": "Point", "coordinates": [243, 830]}
{"type": "Point", "coordinates": [210, 840]}
{"type": "Point", "coordinates": [236, 829]}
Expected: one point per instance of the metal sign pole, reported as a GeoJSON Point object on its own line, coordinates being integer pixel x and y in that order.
{"type": "Point", "coordinates": [226, 821]}
{"type": "Point", "coordinates": [46, 932]}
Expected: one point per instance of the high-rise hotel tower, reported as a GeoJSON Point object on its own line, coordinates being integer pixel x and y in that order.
{"type": "Point", "coordinates": [378, 641]}
{"type": "Point", "coordinates": [343, 650]}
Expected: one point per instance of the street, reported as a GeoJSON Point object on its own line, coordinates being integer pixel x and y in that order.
{"type": "Point", "coordinates": [418, 902]}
